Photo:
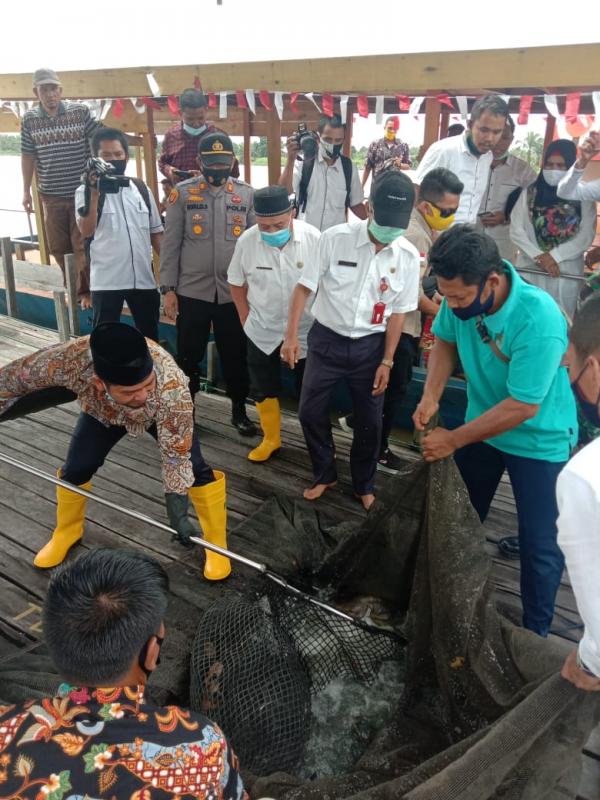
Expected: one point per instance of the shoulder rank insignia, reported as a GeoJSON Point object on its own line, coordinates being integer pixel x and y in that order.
{"type": "Point", "coordinates": [230, 187]}
{"type": "Point", "coordinates": [202, 185]}
{"type": "Point", "coordinates": [173, 196]}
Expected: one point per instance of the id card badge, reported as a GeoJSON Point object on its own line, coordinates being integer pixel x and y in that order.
{"type": "Point", "coordinates": [378, 312]}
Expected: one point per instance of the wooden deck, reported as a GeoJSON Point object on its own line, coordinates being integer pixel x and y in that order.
{"type": "Point", "coordinates": [131, 478]}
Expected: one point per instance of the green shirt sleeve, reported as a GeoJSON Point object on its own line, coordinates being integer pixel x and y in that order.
{"type": "Point", "coordinates": [444, 325]}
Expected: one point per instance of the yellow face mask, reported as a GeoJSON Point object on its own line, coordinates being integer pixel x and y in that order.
{"type": "Point", "coordinates": [390, 135]}
{"type": "Point", "coordinates": [435, 220]}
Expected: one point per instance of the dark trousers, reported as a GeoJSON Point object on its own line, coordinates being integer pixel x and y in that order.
{"type": "Point", "coordinates": [193, 329]}
{"type": "Point", "coordinates": [400, 377]}
{"type": "Point", "coordinates": [265, 372]}
{"type": "Point", "coordinates": [330, 358]}
{"type": "Point", "coordinates": [144, 305]}
{"type": "Point", "coordinates": [534, 487]}
{"type": "Point", "coordinates": [92, 442]}
{"type": "Point", "coordinates": [65, 237]}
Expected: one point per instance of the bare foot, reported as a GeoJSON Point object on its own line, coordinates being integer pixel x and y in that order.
{"type": "Point", "coordinates": [367, 500]}
{"type": "Point", "coordinates": [318, 491]}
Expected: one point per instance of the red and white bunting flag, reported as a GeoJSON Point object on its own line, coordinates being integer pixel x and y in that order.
{"type": "Point", "coordinates": [265, 100]}
{"type": "Point", "coordinates": [279, 104]}
{"type": "Point", "coordinates": [362, 105]}
{"type": "Point", "coordinates": [524, 109]}
{"type": "Point", "coordinates": [327, 103]}
{"type": "Point", "coordinates": [379, 109]}
{"type": "Point", "coordinates": [344, 108]}
{"type": "Point", "coordinates": [251, 100]}
{"type": "Point", "coordinates": [222, 105]}
{"type": "Point", "coordinates": [572, 106]}
{"type": "Point", "coordinates": [403, 102]}
{"type": "Point", "coordinates": [415, 106]}
{"type": "Point", "coordinates": [293, 98]}
{"type": "Point", "coordinates": [212, 100]}
{"type": "Point", "coordinates": [240, 97]}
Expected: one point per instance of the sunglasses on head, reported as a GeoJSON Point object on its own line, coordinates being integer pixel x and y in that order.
{"type": "Point", "coordinates": [444, 212]}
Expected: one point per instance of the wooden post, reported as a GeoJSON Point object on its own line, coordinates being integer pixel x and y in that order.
{"type": "Point", "coordinates": [432, 124]}
{"type": "Point", "coordinates": [71, 280]}
{"type": "Point", "coordinates": [139, 164]}
{"type": "Point", "coordinates": [8, 271]}
{"type": "Point", "coordinates": [247, 162]}
{"type": "Point", "coordinates": [550, 128]}
{"type": "Point", "coordinates": [444, 120]}
{"type": "Point", "coordinates": [274, 145]}
{"type": "Point", "coordinates": [39, 223]}
{"type": "Point", "coordinates": [62, 315]}
{"type": "Point", "coordinates": [150, 155]}
{"type": "Point", "coordinates": [347, 147]}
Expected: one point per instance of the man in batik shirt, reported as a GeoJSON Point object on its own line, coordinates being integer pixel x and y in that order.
{"type": "Point", "coordinates": [387, 153]}
{"type": "Point", "coordinates": [100, 737]}
{"type": "Point", "coordinates": [125, 384]}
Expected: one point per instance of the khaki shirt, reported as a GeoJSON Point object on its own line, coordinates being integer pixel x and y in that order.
{"type": "Point", "coordinates": [420, 235]}
{"type": "Point", "coordinates": [201, 231]}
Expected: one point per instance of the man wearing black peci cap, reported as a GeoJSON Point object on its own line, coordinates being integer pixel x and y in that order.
{"type": "Point", "coordinates": [268, 261]}
{"type": "Point", "coordinates": [206, 215]}
{"type": "Point", "coordinates": [124, 384]}
{"type": "Point", "coordinates": [367, 277]}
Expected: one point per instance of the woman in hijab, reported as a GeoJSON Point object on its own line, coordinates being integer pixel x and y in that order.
{"type": "Point", "coordinates": [553, 234]}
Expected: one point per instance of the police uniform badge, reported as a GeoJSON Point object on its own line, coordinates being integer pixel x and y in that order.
{"type": "Point", "coordinates": [299, 264]}
{"type": "Point", "coordinates": [236, 199]}
{"type": "Point", "coordinates": [237, 218]}
{"type": "Point", "coordinates": [237, 230]}
{"type": "Point", "coordinates": [230, 187]}
{"type": "Point", "coordinates": [173, 196]}
{"type": "Point", "coordinates": [197, 229]}
{"type": "Point", "coordinates": [197, 217]}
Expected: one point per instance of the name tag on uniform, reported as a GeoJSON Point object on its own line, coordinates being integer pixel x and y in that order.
{"type": "Point", "coordinates": [269, 268]}
{"type": "Point", "coordinates": [237, 208]}
{"type": "Point", "coordinates": [347, 263]}
{"type": "Point", "coordinates": [194, 206]}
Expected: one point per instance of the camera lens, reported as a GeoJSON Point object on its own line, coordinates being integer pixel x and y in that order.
{"type": "Point", "coordinates": [309, 146]}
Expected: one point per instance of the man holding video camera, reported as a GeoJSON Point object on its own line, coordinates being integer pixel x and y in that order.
{"type": "Point", "coordinates": [119, 220]}
{"type": "Point", "coordinates": [325, 182]}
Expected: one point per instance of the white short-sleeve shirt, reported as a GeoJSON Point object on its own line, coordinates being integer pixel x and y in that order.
{"type": "Point", "coordinates": [326, 193]}
{"type": "Point", "coordinates": [121, 250]}
{"type": "Point", "coordinates": [453, 153]}
{"type": "Point", "coordinates": [271, 274]}
{"type": "Point", "coordinates": [350, 278]}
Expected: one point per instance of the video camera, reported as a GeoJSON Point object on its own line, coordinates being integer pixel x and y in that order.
{"type": "Point", "coordinates": [307, 141]}
{"type": "Point", "coordinates": [106, 181]}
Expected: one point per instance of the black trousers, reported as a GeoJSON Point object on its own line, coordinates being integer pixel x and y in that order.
{"type": "Point", "coordinates": [193, 329]}
{"type": "Point", "coordinates": [144, 305]}
{"type": "Point", "coordinates": [92, 442]}
{"type": "Point", "coordinates": [330, 358]}
{"type": "Point", "coordinates": [265, 372]}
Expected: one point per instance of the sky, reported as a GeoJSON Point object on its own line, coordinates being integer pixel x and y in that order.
{"type": "Point", "coordinates": [67, 34]}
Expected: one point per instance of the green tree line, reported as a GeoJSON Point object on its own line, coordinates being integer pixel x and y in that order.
{"type": "Point", "coordinates": [10, 144]}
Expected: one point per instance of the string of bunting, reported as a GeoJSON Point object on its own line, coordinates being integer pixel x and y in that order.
{"type": "Point", "coordinates": [247, 99]}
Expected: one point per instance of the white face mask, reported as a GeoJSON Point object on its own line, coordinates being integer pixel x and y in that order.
{"type": "Point", "coordinates": [326, 149]}
{"type": "Point", "coordinates": [553, 176]}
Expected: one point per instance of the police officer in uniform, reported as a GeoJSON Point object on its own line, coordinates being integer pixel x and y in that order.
{"type": "Point", "coordinates": [366, 279]}
{"type": "Point", "coordinates": [268, 261]}
{"type": "Point", "coordinates": [206, 215]}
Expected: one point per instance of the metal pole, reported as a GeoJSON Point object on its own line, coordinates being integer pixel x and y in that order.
{"type": "Point", "coordinates": [9, 277]}
{"type": "Point", "coordinates": [547, 275]}
{"type": "Point", "coordinates": [71, 278]}
{"type": "Point", "coordinates": [62, 315]}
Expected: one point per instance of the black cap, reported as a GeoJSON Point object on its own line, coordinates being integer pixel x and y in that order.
{"type": "Point", "coordinates": [120, 354]}
{"type": "Point", "coordinates": [271, 201]}
{"type": "Point", "coordinates": [392, 199]}
{"type": "Point", "coordinates": [216, 148]}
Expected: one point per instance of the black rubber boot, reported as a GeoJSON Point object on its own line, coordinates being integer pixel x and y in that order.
{"type": "Point", "coordinates": [239, 419]}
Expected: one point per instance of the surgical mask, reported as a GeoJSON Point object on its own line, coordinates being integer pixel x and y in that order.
{"type": "Point", "coordinates": [389, 135]}
{"type": "Point", "coordinates": [435, 220]}
{"type": "Point", "coordinates": [553, 176]}
{"type": "Point", "coordinates": [384, 233]}
{"type": "Point", "coordinates": [119, 165]}
{"type": "Point", "coordinates": [216, 177]}
{"type": "Point", "coordinates": [193, 131]}
{"type": "Point", "coordinates": [330, 150]}
{"type": "Point", "coordinates": [476, 308]}
{"type": "Point", "coordinates": [587, 407]}
{"type": "Point", "coordinates": [276, 239]}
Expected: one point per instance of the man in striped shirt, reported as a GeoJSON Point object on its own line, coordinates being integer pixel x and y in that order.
{"type": "Point", "coordinates": [55, 144]}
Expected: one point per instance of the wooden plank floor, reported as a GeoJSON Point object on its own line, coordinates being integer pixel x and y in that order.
{"type": "Point", "coordinates": [131, 478]}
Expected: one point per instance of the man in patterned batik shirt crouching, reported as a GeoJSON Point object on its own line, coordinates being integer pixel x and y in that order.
{"type": "Point", "coordinates": [125, 384]}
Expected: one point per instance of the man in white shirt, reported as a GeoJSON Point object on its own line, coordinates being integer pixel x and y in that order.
{"type": "Point", "coordinates": [366, 279]}
{"type": "Point", "coordinates": [326, 183]}
{"type": "Point", "coordinates": [507, 173]}
{"type": "Point", "coordinates": [120, 228]}
{"type": "Point", "coordinates": [578, 493]}
{"type": "Point", "coordinates": [268, 260]}
{"type": "Point", "coordinates": [470, 156]}
{"type": "Point", "coordinates": [571, 187]}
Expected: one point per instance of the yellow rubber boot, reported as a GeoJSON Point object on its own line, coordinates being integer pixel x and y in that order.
{"type": "Point", "coordinates": [209, 502]}
{"type": "Point", "coordinates": [269, 414]}
{"type": "Point", "coordinates": [70, 514]}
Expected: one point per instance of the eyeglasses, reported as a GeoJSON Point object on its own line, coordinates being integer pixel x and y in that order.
{"type": "Point", "coordinates": [444, 212]}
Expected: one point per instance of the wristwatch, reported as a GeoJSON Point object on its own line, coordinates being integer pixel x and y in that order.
{"type": "Point", "coordinates": [165, 289]}
{"type": "Point", "coordinates": [387, 362]}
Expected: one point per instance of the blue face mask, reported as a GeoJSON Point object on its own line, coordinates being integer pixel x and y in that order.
{"type": "Point", "coordinates": [476, 308]}
{"type": "Point", "coordinates": [277, 239]}
{"type": "Point", "coordinates": [384, 233]}
{"type": "Point", "coordinates": [194, 131]}
{"type": "Point", "coordinates": [588, 408]}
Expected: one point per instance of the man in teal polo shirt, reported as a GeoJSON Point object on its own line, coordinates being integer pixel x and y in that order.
{"type": "Point", "coordinates": [511, 338]}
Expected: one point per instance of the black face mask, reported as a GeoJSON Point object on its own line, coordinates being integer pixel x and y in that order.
{"type": "Point", "coordinates": [144, 654]}
{"type": "Point", "coordinates": [216, 177]}
{"type": "Point", "coordinates": [119, 166]}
